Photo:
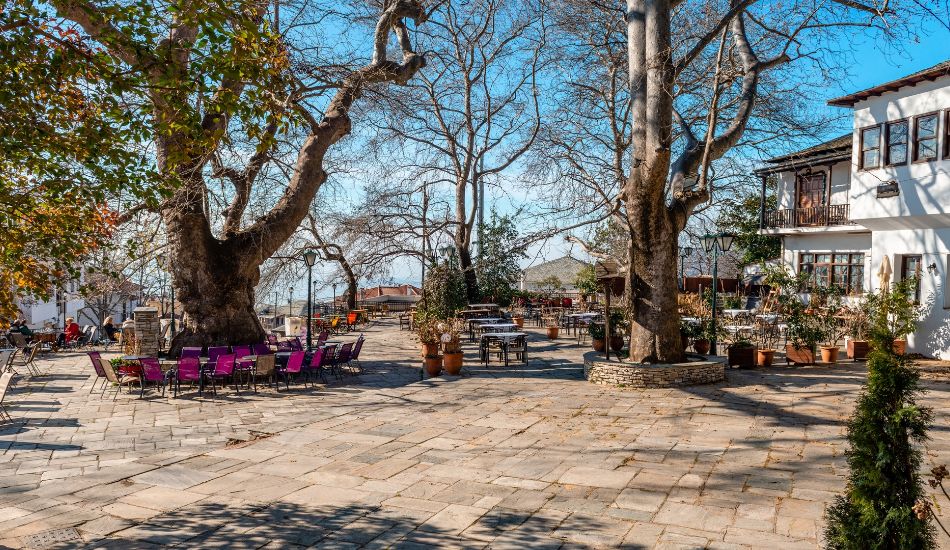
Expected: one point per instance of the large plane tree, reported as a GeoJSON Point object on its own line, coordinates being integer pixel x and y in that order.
{"type": "Point", "coordinates": [686, 56]}
{"type": "Point", "coordinates": [230, 91]}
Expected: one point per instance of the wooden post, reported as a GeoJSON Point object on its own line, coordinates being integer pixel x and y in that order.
{"type": "Point", "coordinates": [607, 318]}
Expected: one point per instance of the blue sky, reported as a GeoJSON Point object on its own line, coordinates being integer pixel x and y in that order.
{"type": "Point", "coordinates": [871, 63]}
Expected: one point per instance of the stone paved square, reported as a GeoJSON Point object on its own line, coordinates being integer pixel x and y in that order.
{"type": "Point", "coordinates": [525, 456]}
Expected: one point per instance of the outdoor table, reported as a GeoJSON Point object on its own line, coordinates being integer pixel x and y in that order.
{"type": "Point", "coordinates": [471, 325]}
{"type": "Point", "coordinates": [734, 312]}
{"type": "Point", "coordinates": [691, 320]}
{"type": "Point", "coordinates": [491, 327]}
{"type": "Point", "coordinates": [506, 338]}
{"type": "Point", "coordinates": [768, 317]}
{"type": "Point", "coordinates": [483, 306]}
{"type": "Point", "coordinates": [574, 319]}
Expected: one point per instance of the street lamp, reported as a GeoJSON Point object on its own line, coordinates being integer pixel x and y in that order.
{"type": "Point", "coordinates": [718, 243]}
{"type": "Point", "coordinates": [165, 263]}
{"type": "Point", "coordinates": [310, 258]}
{"type": "Point", "coordinates": [685, 252]}
{"type": "Point", "coordinates": [290, 301]}
{"type": "Point", "coordinates": [334, 297]}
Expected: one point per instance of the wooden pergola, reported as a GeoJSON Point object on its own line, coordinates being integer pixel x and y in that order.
{"type": "Point", "coordinates": [612, 281]}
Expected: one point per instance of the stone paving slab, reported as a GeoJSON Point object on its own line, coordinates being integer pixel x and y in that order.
{"type": "Point", "coordinates": [528, 456]}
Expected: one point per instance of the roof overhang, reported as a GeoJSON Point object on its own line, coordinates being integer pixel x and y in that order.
{"type": "Point", "coordinates": [926, 75]}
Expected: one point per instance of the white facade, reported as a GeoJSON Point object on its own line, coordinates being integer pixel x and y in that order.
{"type": "Point", "coordinates": [884, 197]}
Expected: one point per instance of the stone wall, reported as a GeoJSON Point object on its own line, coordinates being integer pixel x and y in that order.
{"type": "Point", "coordinates": [146, 331]}
{"type": "Point", "coordinates": [615, 373]}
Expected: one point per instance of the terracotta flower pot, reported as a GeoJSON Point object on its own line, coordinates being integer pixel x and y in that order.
{"type": "Point", "coordinates": [858, 349]}
{"type": "Point", "coordinates": [518, 321]}
{"type": "Point", "coordinates": [900, 346]}
{"type": "Point", "coordinates": [764, 357]}
{"type": "Point", "coordinates": [553, 332]}
{"type": "Point", "coordinates": [433, 365]}
{"type": "Point", "coordinates": [430, 349]}
{"type": "Point", "coordinates": [701, 345]}
{"type": "Point", "coordinates": [452, 362]}
{"type": "Point", "coordinates": [616, 342]}
{"type": "Point", "coordinates": [829, 354]}
{"type": "Point", "coordinates": [599, 344]}
{"type": "Point", "coordinates": [742, 357]}
{"type": "Point", "coordinates": [799, 356]}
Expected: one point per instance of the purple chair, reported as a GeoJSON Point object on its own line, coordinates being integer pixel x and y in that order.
{"type": "Point", "coordinates": [323, 337]}
{"type": "Point", "coordinates": [100, 374]}
{"type": "Point", "coordinates": [189, 370]}
{"type": "Point", "coordinates": [223, 369]}
{"type": "Point", "coordinates": [262, 349]}
{"type": "Point", "coordinates": [316, 365]}
{"type": "Point", "coordinates": [295, 344]}
{"type": "Point", "coordinates": [345, 355]}
{"type": "Point", "coordinates": [294, 365]}
{"type": "Point", "coordinates": [151, 374]}
{"type": "Point", "coordinates": [243, 365]}
{"type": "Point", "coordinates": [329, 359]}
{"type": "Point", "coordinates": [191, 352]}
{"type": "Point", "coordinates": [284, 345]}
{"type": "Point", "coordinates": [356, 353]}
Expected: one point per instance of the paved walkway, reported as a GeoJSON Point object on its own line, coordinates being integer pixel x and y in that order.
{"type": "Point", "coordinates": [525, 457]}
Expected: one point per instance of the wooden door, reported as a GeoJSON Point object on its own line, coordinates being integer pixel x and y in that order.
{"type": "Point", "coordinates": [810, 207]}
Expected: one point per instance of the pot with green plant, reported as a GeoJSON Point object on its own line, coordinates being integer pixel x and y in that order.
{"type": "Point", "coordinates": [618, 326]}
{"type": "Point", "coordinates": [803, 328]}
{"type": "Point", "coordinates": [598, 336]}
{"type": "Point", "coordinates": [741, 354]}
{"type": "Point", "coordinates": [895, 308]}
{"type": "Point", "coordinates": [426, 327]}
{"type": "Point", "coordinates": [856, 325]}
{"type": "Point", "coordinates": [688, 331]}
{"type": "Point", "coordinates": [703, 338]}
{"type": "Point", "coordinates": [768, 335]}
{"type": "Point", "coordinates": [830, 314]}
{"type": "Point", "coordinates": [552, 326]}
{"type": "Point", "coordinates": [451, 337]}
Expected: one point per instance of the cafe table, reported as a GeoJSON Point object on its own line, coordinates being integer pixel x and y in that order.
{"type": "Point", "coordinates": [506, 338]}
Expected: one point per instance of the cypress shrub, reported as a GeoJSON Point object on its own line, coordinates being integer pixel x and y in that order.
{"type": "Point", "coordinates": [876, 510]}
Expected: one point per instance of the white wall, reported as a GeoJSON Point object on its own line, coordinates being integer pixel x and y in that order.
{"type": "Point", "coordinates": [924, 187]}
{"type": "Point", "coordinates": [933, 335]}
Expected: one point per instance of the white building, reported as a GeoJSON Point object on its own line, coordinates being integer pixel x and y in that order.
{"type": "Point", "coordinates": [883, 190]}
{"type": "Point", "coordinates": [70, 302]}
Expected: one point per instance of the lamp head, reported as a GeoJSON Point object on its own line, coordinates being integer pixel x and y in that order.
{"type": "Point", "coordinates": [310, 257]}
{"type": "Point", "coordinates": [686, 251]}
{"type": "Point", "coordinates": [725, 241]}
{"type": "Point", "coordinates": [708, 241]}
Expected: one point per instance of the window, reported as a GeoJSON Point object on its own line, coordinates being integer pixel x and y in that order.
{"type": "Point", "coordinates": [946, 134]}
{"type": "Point", "coordinates": [844, 270]}
{"type": "Point", "coordinates": [925, 137]}
{"type": "Point", "coordinates": [896, 144]}
{"type": "Point", "coordinates": [870, 147]}
{"type": "Point", "coordinates": [910, 269]}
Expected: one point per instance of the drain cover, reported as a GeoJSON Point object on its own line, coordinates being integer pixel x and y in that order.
{"type": "Point", "coordinates": [47, 539]}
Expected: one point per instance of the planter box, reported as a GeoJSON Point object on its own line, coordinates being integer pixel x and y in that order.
{"type": "Point", "coordinates": [742, 357]}
{"type": "Point", "coordinates": [858, 349]}
{"type": "Point", "coordinates": [799, 356]}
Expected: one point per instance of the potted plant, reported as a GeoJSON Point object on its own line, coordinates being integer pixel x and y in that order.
{"type": "Point", "coordinates": [598, 336]}
{"type": "Point", "coordinates": [618, 325]}
{"type": "Point", "coordinates": [856, 324]}
{"type": "Point", "coordinates": [765, 355]}
{"type": "Point", "coordinates": [742, 354]}
{"type": "Point", "coordinates": [451, 330]}
{"type": "Point", "coordinates": [894, 312]}
{"type": "Point", "coordinates": [804, 329]}
{"type": "Point", "coordinates": [703, 337]}
{"type": "Point", "coordinates": [551, 327]}
{"type": "Point", "coordinates": [428, 333]}
{"type": "Point", "coordinates": [688, 331]}
{"type": "Point", "coordinates": [830, 324]}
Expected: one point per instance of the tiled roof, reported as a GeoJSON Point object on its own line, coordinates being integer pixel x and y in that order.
{"type": "Point", "coordinates": [831, 151]}
{"type": "Point", "coordinates": [930, 73]}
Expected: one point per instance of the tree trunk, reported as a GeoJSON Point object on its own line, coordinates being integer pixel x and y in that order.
{"type": "Point", "coordinates": [351, 289]}
{"type": "Point", "coordinates": [468, 270]}
{"type": "Point", "coordinates": [654, 324]}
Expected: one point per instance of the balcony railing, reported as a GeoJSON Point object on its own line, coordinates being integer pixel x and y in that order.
{"type": "Point", "coordinates": [819, 216]}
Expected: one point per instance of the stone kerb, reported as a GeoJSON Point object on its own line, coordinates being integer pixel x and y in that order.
{"type": "Point", "coordinates": [616, 373]}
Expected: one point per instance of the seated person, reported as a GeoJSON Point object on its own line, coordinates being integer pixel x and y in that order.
{"type": "Point", "coordinates": [71, 333]}
{"type": "Point", "coordinates": [24, 329]}
{"type": "Point", "coordinates": [109, 328]}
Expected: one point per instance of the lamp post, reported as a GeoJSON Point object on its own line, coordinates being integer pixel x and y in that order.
{"type": "Point", "coordinates": [718, 243]}
{"type": "Point", "coordinates": [275, 307]}
{"type": "Point", "coordinates": [310, 258]}
{"type": "Point", "coordinates": [165, 264]}
{"type": "Point", "coordinates": [290, 301]}
{"type": "Point", "coordinates": [334, 297]}
{"type": "Point", "coordinates": [685, 252]}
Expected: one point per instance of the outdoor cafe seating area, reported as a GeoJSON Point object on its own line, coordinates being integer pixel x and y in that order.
{"type": "Point", "coordinates": [242, 367]}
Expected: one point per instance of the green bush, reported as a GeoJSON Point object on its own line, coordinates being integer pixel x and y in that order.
{"type": "Point", "coordinates": [443, 293]}
{"type": "Point", "coordinates": [597, 331]}
{"type": "Point", "coordinates": [884, 434]}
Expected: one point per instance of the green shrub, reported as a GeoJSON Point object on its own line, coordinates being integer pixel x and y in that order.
{"type": "Point", "coordinates": [877, 509]}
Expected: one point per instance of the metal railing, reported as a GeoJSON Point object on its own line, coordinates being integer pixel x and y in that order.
{"type": "Point", "coordinates": [819, 216]}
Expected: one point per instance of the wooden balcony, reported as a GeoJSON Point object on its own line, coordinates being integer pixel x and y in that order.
{"type": "Point", "coordinates": [819, 216]}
